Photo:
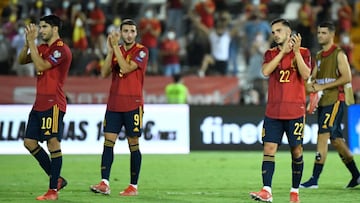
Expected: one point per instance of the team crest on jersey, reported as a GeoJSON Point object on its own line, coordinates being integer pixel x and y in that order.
{"type": "Point", "coordinates": [57, 54]}
{"type": "Point", "coordinates": [318, 64]}
{"type": "Point", "coordinates": [141, 56]}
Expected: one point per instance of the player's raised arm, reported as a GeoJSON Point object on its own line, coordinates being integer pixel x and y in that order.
{"type": "Point", "coordinates": [24, 56]}
{"type": "Point", "coordinates": [300, 57]}
{"type": "Point", "coordinates": [106, 68]}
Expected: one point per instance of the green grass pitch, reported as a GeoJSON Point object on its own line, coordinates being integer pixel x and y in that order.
{"type": "Point", "coordinates": [203, 177]}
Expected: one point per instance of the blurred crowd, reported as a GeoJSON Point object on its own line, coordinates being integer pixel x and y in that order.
{"type": "Point", "coordinates": [200, 37]}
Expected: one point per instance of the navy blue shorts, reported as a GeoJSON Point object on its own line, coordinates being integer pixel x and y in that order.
{"type": "Point", "coordinates": [273, 130]}
{"type": "Point", "coordinates": [131, 120]}
{"type": "Point", "coordinates": [43, 125]}
{"type": "Point", "coordinates": [329, 119]}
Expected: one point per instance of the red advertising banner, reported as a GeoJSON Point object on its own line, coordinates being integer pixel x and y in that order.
{"type": "Point", "coordinates": [92, 90]}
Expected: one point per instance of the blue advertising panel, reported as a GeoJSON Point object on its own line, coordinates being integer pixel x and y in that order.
{"type": "Point", "coordinates": [354, 128]}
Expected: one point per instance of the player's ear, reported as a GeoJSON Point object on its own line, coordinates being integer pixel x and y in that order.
{"type": "Point", "coordinates": [56, 28]}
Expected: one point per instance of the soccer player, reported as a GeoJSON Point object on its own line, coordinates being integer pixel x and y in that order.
{"type": "Point", "coordinates": [52, 61]}
{"type": "Point", "coordinates": [331, 73]}
{"type": "Point", "coordinates": [287, 65]}
{"type": "Point", "coordinates": [127, 63]}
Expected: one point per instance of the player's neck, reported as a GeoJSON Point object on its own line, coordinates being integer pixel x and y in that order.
{"type": "Point", "coordinates": [128, 46]}
{"type": "Point", "coordinates": [327, 46]}
{"type": "Point", "coordinates": [52, 40]}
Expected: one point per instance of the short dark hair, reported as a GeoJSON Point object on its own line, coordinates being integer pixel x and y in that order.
{"type": "Point", "coordinates": [127, 22]}
{"type": "Point", "coordinates": [328, 24]}
{"type": "Point", "coordinates": [177, 77]}
{"type": "Point", "coordinates": [282, 21]}
{"type": "Point", "coordinates": [52, 20]}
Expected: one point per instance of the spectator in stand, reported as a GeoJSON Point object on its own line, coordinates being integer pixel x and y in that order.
{"type": "Point", "coordinates": [220, 38]}
{"type": "Point", "coordinates": [170, 50]}
{"type": "Point", "coordinates": [321, 10]}
{"type": "Point", "coordinates": [9, 16]}
{"type": "Point", "coordinates": [150, 30]}
{"type": "Point", "coordinates": [256, 6]}
{"type": "Point", "coordinates": [175, 16]}
{"type": "Point", "coordinates": [5, 55]}
{"type": "Point", "coordinates": [12, 7]}
{"type": "Point", "coordinates": [305, 27]}
{"type": "Point", "coordinates": [78, 19]}
{"type": "Point", "coordinates": [37, 9]}
{"type": "Point", "coordinates": [9, 28]}
{"type": "Point", "coordinates": [344, 17]}
{"type": "Point", "coordinates": [79, 40]}
{"type": "Point", "coordinates": [96, 21]}
{"type": "Point", "coordinates": [255, 78]}
{"type": "Point", "coordinates": [64, 13]}
{"type": "Point", "coordinates": [306, 15]}
{"type": "Point", "coordinates": [197, 47]}
{"type": "Point", "coordinates": [233, 66]}
{"type": "Point", "coordinates": [347, 46]}
{"type": "Point", "coordinates": [206, 9]}
{"type": "Point", "coordinates": [254, 24]}
{"type": "Point", "coordinates": [115, 25]}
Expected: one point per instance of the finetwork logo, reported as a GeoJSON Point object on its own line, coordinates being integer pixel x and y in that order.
{"type": "Point", "coordinates": [215, 131]}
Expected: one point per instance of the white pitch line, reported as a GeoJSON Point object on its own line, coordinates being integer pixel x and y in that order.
{"type": "Point", "coordinates": [192, 193]}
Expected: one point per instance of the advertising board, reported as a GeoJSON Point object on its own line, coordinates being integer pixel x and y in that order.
{"type": "Point", "coordinates": [166, 130]}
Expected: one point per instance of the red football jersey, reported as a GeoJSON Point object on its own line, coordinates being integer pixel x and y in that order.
{"type": "Point", "coordinates": [51, 81]}
{"type": "Point", "coordinates": [98, 15]}
{"type": "Point", "coordinates": [172, 48]}
{"type": "Point", "coordinates": [286, 91]}
{"type": "Point", "coordinates": [203, 8]}
{"type": "Point", "coordinates": [126, 92]}
{"type": "Point", "coordinates": [147, 39]}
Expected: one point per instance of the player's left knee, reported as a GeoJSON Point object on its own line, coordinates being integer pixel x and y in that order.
{"type": "Point", "coordinates": [53, 144]}
{"type": "Point", "coordinates": [30, 145]}
{"type": "Point", "coordinates": [337, 143]}
{"type": "Point", "coordinates": [296, 152]}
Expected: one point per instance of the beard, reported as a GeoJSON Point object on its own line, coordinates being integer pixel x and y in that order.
{"type": "Point", "coordinates": [127, 40]}
{"type": "Point", "coordinates": [279, 43]}
{"type": "Point", "coordinates": [128, 43]}
{"type": "Point", "coordinates": [46, 38]}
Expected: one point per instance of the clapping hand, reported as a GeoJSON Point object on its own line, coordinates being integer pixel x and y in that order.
{"type": "Point", "coordinates": [114, 38]}
{"type": "Point", "coordinates": [296, 42]}
{"type": "Point", "coordinates": [287, 46]}
{"type": "Point", "coordinates": [31, 31]}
